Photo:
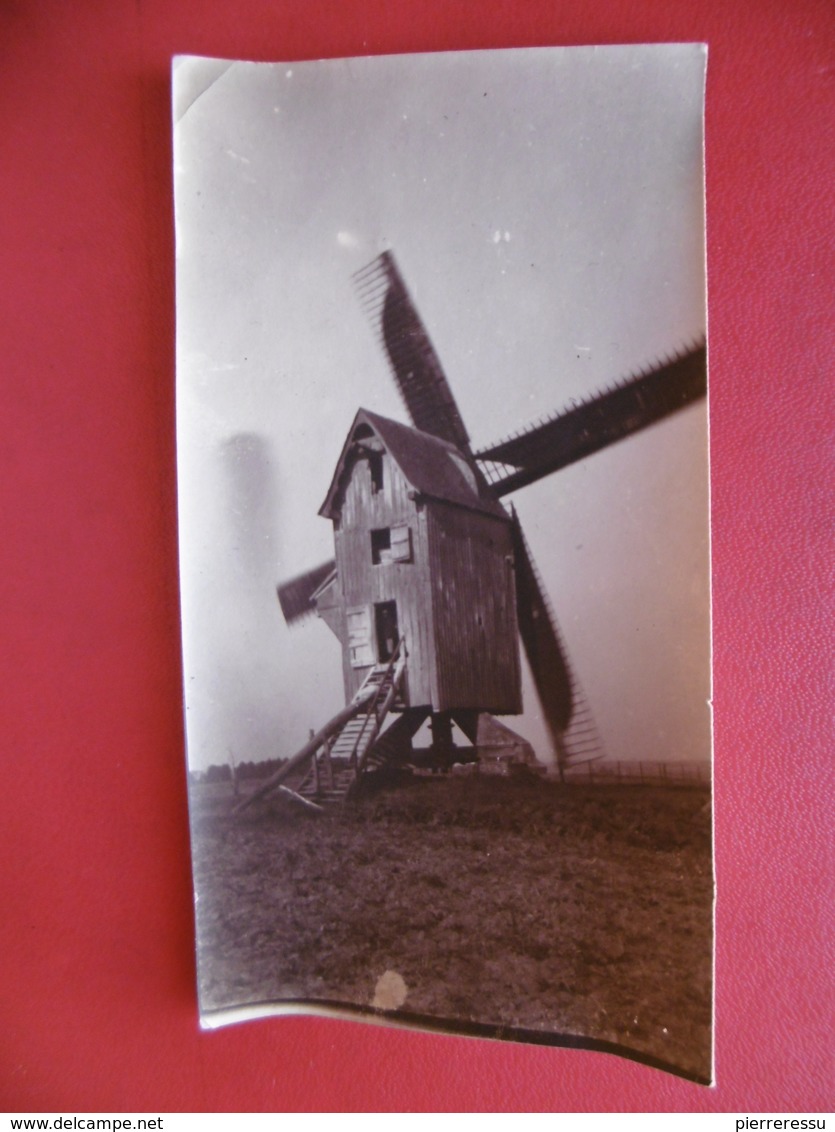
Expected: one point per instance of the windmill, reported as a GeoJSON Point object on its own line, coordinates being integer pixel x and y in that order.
{"type": "Point", "coordinates": [433, 583]}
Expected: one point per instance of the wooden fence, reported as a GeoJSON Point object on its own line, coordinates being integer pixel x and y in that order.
{"type": "Point", "coordinates": [635, 773]}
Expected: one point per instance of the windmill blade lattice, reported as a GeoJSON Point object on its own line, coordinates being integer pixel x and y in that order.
{"type": "Point", "coordinates": [564, 706]}
{"type": "Point", "coordinates": [628, 407]}
{"type": "Point", "coordinates": [414, 363]}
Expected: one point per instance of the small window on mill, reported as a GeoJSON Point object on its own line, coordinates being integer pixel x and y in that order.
{"type": "Point", "coordinates": [375, 464]}
{"type": "Point", "coordinates": [381, 546]}
{"type": "Point", "coordinates": [392, 544]}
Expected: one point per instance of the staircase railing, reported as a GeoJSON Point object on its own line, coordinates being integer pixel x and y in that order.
{"type": "Point", "coordinates": [308, 751]}
{"type": "Point", "coordinates": [366, 700]}
{"type": "Point", "coordinates": [371, 703]}
{"type": "Point", "coordinates": [394, 672]}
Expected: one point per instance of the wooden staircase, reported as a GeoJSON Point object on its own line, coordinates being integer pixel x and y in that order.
{"type": "Point", "coordinates": [328, 767]}
{"type": "Point", "coordinates": [347, 754]}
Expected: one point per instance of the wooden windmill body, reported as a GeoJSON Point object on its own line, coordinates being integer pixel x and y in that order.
{"type": "Point", "coordinates": [421, 555]}
{"type": "Point", "coordinates": [432, 584]}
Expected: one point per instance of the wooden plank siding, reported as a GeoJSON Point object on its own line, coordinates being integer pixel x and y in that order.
{"type": "Point", "coordinates": [473, 611]}
{"type": "Point", "coordinates": [362, 583]}
{"type": "Point", "coordinates": [445, 560]}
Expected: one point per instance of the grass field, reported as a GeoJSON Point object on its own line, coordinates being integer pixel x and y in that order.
{"type": "Point", "coordinates": [514, 904]}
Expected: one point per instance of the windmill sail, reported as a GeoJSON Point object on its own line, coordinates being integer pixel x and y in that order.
{"type": "Point", "coordinates": [416, 367]}
{"type": "Point", "coordinates": [295, 596]}
{"type": "Point", "coordinates": [629, 407]}
{"type": "Point", "coordinates": [564, 707]}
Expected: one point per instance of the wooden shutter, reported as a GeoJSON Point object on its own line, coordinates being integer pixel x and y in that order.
{"type": "Point", "coordinates": [401, 544]}
{"type": "Point", "coordinates": [359, 637]}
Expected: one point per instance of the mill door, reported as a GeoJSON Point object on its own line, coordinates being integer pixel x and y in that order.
{"type": "Point", "coordinates": [385, 617]}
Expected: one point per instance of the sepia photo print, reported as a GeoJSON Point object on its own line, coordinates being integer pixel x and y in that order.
{"type": "Point", "coordinates": [444, 542]}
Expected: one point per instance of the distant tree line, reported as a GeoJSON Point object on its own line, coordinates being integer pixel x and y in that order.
{"type": "Point", "coordinates": [246, 770]}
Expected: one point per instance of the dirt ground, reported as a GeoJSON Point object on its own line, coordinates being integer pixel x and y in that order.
{"type": "Point", "coordinates": [513, 904]}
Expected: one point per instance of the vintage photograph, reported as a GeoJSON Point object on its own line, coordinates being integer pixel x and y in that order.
{"type": "Point", "coordinates": [444, 542]}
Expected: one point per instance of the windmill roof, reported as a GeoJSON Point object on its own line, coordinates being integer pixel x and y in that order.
{"type": "Point", "coordinates": [434, 467]}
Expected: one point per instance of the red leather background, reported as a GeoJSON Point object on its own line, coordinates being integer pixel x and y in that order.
{"type": "Point", "coordinates": [98, 1006]}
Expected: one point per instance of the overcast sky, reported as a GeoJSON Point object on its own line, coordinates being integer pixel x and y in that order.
{"type": "Point", "coordinates": [546, 211]}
